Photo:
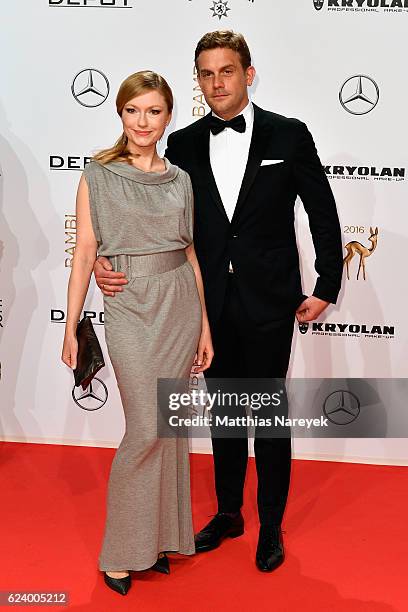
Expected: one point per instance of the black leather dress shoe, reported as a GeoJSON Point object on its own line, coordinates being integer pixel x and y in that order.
{"type": "Point", "coordinates": [269, 553]}
{"type": "Point", "coordinates": [120, 585]}
{"type": "Point", "coordinates": [220, 527]}
{"type": "Point", "coordinates": [162, 564]}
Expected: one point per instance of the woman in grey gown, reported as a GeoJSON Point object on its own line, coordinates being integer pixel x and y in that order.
{"type": "Point", "coordinates": [137, 209]}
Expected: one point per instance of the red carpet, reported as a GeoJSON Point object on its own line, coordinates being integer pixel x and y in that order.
{"type": "Point", "coordinates": [346, 538]}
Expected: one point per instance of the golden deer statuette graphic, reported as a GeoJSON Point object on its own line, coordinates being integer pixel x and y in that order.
{"type": "Point", "coordinates": [356, 247]}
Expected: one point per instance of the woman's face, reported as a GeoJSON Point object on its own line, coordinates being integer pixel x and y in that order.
{"type": "Point", "coordinates": [144, 119]}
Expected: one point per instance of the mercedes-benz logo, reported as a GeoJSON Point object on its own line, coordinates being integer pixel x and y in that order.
{"type": "Point", "coordinates": [341, 407]}
{"type": "Point", "coordinates": [359, 94]}
{"type": "Point", "coordinates": [90, 87]}
{"type": "Point", "coordinates": [318, 4]}
{"type": "Point", "coordinates": [94, 396]}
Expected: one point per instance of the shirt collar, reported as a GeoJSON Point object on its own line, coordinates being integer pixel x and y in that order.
{"type": "Point", "coordinates": [247, 112]}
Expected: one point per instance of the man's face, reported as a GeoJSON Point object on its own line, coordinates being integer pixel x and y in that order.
{"type": "Point", "coordinates": [223, 81]}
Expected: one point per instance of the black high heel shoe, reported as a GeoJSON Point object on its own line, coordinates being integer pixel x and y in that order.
{"type": "Point", "coordinates": [162, 564]}
{"type": "Point", "coordinates": [120, 585]}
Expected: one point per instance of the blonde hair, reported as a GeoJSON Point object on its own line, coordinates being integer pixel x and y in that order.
{"type": "Point", "coordinates": [133, 86]}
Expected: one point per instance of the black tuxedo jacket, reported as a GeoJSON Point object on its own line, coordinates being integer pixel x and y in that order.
{"type": "Point", "coordinates": [260, 240]}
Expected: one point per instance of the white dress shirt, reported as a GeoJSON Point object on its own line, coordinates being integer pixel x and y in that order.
{"type": "Point", "coordinates": [228, 157]}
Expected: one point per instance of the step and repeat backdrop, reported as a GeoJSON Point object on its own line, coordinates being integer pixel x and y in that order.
{"type": "Point", "coordinates": [338, 65]}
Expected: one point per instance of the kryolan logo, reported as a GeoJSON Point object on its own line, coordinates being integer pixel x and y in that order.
{"type": "Point", "coordinates": [318, 4]}
{"type": "Point", "coordinates": [303, 327]}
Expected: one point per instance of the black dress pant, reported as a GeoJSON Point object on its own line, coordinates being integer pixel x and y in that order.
{"type": "Point", "coordinates": [244, 351]}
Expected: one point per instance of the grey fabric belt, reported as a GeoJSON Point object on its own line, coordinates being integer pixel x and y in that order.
{"type": "Point", "coordinates": [146, 265]}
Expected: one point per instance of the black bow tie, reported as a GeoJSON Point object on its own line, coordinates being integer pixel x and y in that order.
{"type": "Point", "coordinates": [218, 125]}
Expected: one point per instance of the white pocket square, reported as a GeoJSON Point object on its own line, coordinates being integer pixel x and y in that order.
{"type": "Point", "coordinates": [269, 162]}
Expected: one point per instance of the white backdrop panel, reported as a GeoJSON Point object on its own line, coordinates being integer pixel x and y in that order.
{"type": "Point", "coordinates": [303, 56]}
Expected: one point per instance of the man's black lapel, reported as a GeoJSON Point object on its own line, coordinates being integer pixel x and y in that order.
{"type": "Point", "coordinates": [261, 135]}
{"type": "Point", "coordinates": [204, 165]}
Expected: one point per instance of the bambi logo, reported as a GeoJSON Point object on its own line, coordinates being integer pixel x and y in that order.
{"type": "Point", "coordinates": [355, 247]}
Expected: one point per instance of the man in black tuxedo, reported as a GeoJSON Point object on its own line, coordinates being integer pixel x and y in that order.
{"type": "Point", "coordinates": [247, 166]}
